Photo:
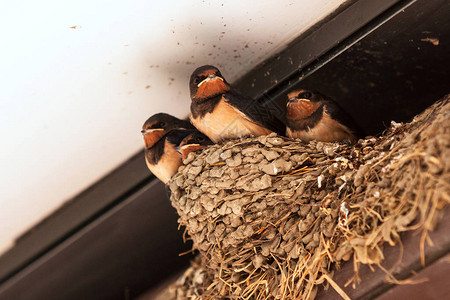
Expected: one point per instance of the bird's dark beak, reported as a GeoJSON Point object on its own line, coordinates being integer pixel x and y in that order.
{"type": "Point", "coordinates": [209, 78]}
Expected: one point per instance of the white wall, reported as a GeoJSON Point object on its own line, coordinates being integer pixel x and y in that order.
{"type": "Point", "coordinates": [72, 100]}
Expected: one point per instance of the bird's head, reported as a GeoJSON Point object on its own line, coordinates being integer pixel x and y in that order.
{"type": "Point", "coordinates": [193, 142]}
{"type": "Point", "coordinates": [207, 82]}
{"type": "Point", "coordinates": [303, 103]}
{"type": "Point", "coordinates": [159, 125]}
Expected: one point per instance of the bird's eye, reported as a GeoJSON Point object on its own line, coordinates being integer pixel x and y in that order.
{"type": "Point", "coordinates": [200, 139]}
{"type": "Point", "coordinates": [305, 95]}
{"type": "Point", "coordinates": [197, 80]}
{"type": "Point", "coordinates": [161, 124]}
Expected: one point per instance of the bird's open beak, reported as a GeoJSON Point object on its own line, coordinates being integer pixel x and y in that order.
{"type": "Point", "coordinates": [152, 135]}
{"type": "Point", "coordinates": [296, 100]}
{"type": "Point", "coordinates": [292, 101]}
{"type": "Point", "coordinates": [150, 130]}
{"type": "Point", "coordinates": [209, 78]}
{"type": "Point", "coordinates": [186, 146]}
{"type": "Point", "coordinates": [184, 150]}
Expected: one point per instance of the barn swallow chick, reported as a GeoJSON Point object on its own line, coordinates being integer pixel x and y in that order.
{"type": "Point", "coordinates": [312, 116]}
{"type": "Point", "coordinates": [221, 113]}
{"type": "Point", "coordinates": [160, 154]}
{"type": "Point", "coordinates": [159, 125]}
{"type": "Point", "coordinates": [193, 142]}
{"type": "Point", "coordinates": [162, 159]}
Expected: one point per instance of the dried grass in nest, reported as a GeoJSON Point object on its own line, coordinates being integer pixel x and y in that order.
{"type": "Point", "coordinates": [270, 216]}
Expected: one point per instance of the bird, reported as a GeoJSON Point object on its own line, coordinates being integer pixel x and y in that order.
{"type": "Point", "coordinates": [313, 116]}
{"type": "Point", "coordinates": [160, 124]}
{"type": "Point", "coordinates": [221, 113]}
{"type": "Point", "coordinates": [162, 133]}
{"type": "Point", "coordinates": [193, 142]}
{"type": "Point", "coordinates": [162, 159]}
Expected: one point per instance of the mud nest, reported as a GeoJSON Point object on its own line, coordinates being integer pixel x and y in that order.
{"type": "Point", "coordinates": [272, 217]}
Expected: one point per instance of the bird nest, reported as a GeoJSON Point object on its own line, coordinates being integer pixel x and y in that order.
{"type": "Point", "coordinates": [272, 217]}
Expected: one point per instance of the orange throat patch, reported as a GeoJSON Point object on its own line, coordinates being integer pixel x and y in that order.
{"type": "Point", "coordinates": [300, 109]}
{"type": "Point", "coordinates": [211, 88]}
{"type": "Point", "coordinates": [153, 137]}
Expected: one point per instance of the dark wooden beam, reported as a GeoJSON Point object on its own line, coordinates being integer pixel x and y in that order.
{"type": "Point", "coordinates": [430, 283]}
{"type": "Point", "coordinates": [75, 214]}
{"type": "Point", "coordinates": [373, 282]}
{"type": "Point", "coordinates": [134, 245]}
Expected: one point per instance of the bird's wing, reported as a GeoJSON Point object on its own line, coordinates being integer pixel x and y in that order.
{"type": "Point", "coordinates": [340, 115]}
{"type": "Point", "coordinates": [257, 113]}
